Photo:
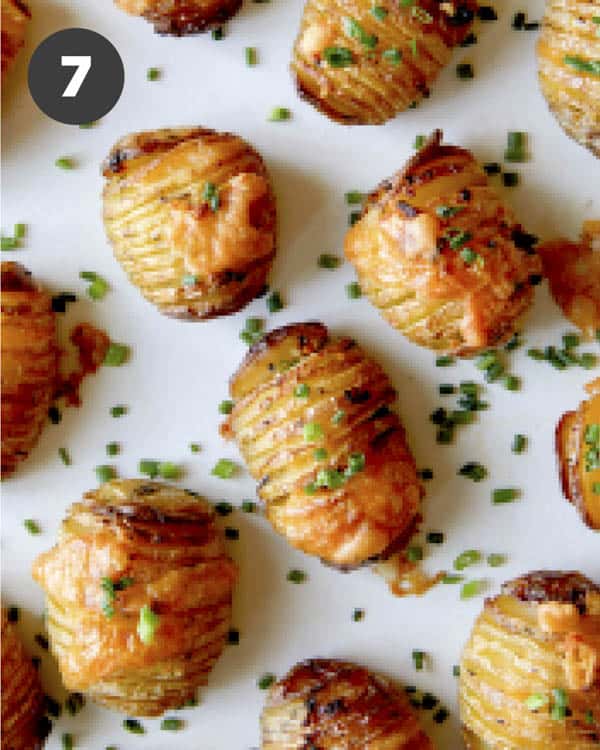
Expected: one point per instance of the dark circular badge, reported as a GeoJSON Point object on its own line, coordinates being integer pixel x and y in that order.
{"type": "Point", "coordinates": [76, 76]}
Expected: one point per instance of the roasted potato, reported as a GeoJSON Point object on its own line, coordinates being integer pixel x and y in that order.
{"type": "Point", "coordinates": [24, 726]}
{"type": "Point", "coordinates": [333, 704]}
{"type": "Point", "coordinates": [578, 449]}
{"type": "Point", "coordinates": [29, 362]}
{"type": "Point", "coordinates": [361, 67]}
{"type": "Point", "coordinates": [568, 54]}
{"type": "Point", "coordinates": [15, 17]}
{"type": "Point", "coordinates": [530, 673]}
{"type": "Point", "coordinates": [191, 217]}
{"type": "Point", "coordinates": [573, 272]}
{"type": "Point", "coordinates": [441, 255]}
{"type": "Point", "coordinates": [139, 592]}
{"type": "Point", "coordinates": [312, 419]}
{"type": "Point", "coordinates": [182, 17]}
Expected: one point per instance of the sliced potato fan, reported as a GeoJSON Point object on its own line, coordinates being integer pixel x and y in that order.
{"type": "Point", "coordinates": [182, 17]}
{"type": "Point", "coordinates": [139, 591]}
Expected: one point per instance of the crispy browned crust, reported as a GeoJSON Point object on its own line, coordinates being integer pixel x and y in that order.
{"type": "Point", "coordinates": [370, 511]}
{"type": "Point", "coordinates": [23, 724]}
{"type": "Point", "coordinates": [327, 703]}
{"type": "Point", "coordinates": [191, 262]}
{"type": "Point", "coordinates": [571, 450]}
{"type": "Point", "coordinates": [542, 633]}
{"type": "Point", "coordinates": [402, 248]}
{"type": "Point", "coordinates": [573, 95]}
{"type": "Point", "coordinates": [29, 362]}
{"type": "Point", "coordinates": [15, 17]}
{"type": "Point", "coordinates": [182, 17]}
{"type": "Point", "coordinates": [372, 89]}
{"type": "Point", "coordinates": [166, 542]}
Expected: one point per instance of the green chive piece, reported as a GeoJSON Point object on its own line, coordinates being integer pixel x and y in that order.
{"type": "Point", "coordinates": [172, 725]}
{"type": "Point", "coordinates": [473, 470]}
{"type": "Point", "coordinates": [441, 715]}
{"type": "Point", "coordinates": [251, 56]}
{"type": "Point", "coordinates": [513, 343]}
{"type": "Point", "coordinates": [248, 506]}
{"type": "Point", "coordinates": [571, 340]}
{"type": "Point", "coordinates": [414, 553]}
{"type": "Point", "coordinates": [456, 670]}
{"type": "Point", "coordinates": [320, 454]}
{"type": "Point", "coordinates": [446, 389]}
{"type": "Point", "coordinates": [8, 243]}
{"type": "Point", "coordinates": [64, 456]}
{"type": "Point", "coordinates": [217, 34]}
{"type": "Point", "coordinates": [147, 624]}
{"type": "Point", "coordinates": [447, 212]}
{"type": "Point", "coordinates": [210, 195]}
{"type": "Point", "coordinates": [379, 12]}
{"type": "Point", "coordinates": [279, 114]}
{"type": "Point", "coordinates": [510, 179]}
{"type": "Point", "coordinates": [466, 558]}
{"type": "Point", "coordinates": [413, 47]}
{"type": "Point", "coordinates": [133, 726]}
{"type": "Point", "coordinates": [588, 361]}
{"type": "Point", "coordinates": [435, 537]}
{"type": "Point", "coordinates": [583, 66]}
{"type": "Point", "coordinates": [354, 197]}
{"type": "Point", "coordinates": [328, 261]}
{"type": "Point", "coordinates": [296, 576]}
{"type": "Point", "coordinates": [418, 658]}
{"type": "Point", "coordinates": [265, 681]}
{"type": "Point", "coordinates": [310, 488]}
{"type": "Point", "coordinates": [392, 55]}
{"type": "Point", "coordinates": [516, 147]}
{"type": "Point", "coordinates": [105, 473]}
{"type": "Point", "coordinates": [118, 411]}
{"type": "Point", "coordinates": [64, 163]}
{"type": "Point", "coordinates": [419, 142]}
{"type": "Point", "coordinates": [353, 29]}
{"type": "Point", "coordinates": [338, 416]}
{"type": "Point", "coordinates": [451, 579]}
{"type": "Point", "coordinates": [425, 474]}
{"type": "Point", "coordinates": [354, 218]}
{"type": "Point", "coordinates": [224, 468]}
{"type": "Point", "coordinates": [112, 449]}
{"type": "Point", "coordinates": [445, 360]}
{"type": "Point", "coordinates": [153, 74]}
{"type": "Point", "coordinates": [358, 614]}
{"type": "Point", "coordinates": [465, 71]}
{"type": "Point", "coordinates": [226, 407]}
{"type": "Point", "coordinates": [67, 741]}
{"type": "Point", "coordinates": [470, 589]}
{"type": "Point", "coordinates": [353, 290]}
{"type": "Point", "coordinates": [32, 526]}
{"type": "Point", "coordinates": [116, 355]}
{"type": "Point", "coordinates": [519, 443]}
{"type": "Point", "coordinates": [496, 559]}
{"type": "Point", "coordinates": [504, 495]}
{"type": "Point", "coordinates": [535, 701]}
{"type": "Point", "coordinates": [19, 231]}
{"type": "Point", "coordinates": [312, 432]}
{"type": "Point", "coordinates": [223, 508]}
{"type": "Point", "coordinates": [512, 383]}
{"type": "Point", "coordinates": [149, 467]}
{"type": "Point", "coordinates": [302, 390]}
{"type": "Point", "coordinates": [189, 279]}
{"type": "Point", "coordinates": [596, 488]}
{"type": "Point", "coordinates": [233, 637]}
{"type": "Point", "coordinates": [169, 470]}
{"type": "Point", "coordinates": [274, 302]}
{"type": "Point", "coordinates": [74, 703]}
{"type": "Point", "coordinates": [195, 447]}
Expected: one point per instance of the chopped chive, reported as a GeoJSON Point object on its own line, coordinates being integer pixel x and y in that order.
{"type": "Point", "coordinates": [587, 360]}
{"type": "Point", "coordinates": [426, 474]}
{"type": "Point", "coordinates": [444, 360]}
{"type": "Point", "coordinates": [224, 469]}
{"type": "Point", "coordinates": [473, 470]}
{"type": "Point", "coordinates": [226, 407]}
{"type": "Point", "coordinates": [418, 658]}
{"type": "Point", "coordinates": [251, 56]}
{"type": "Point", "coordinates": [64, 456]}
{"type": "Point", "coordinates": [513, 343]}
{"type": "Point", "coordinates": [582, 65]}
{"type": "Point", "coordinates": [419, 142]}
{"type": "Point", "coordinates": [210, 196]}
{"type": "Point", "coordinates": [354, 197]}
{"type": "Point", "coordinates": [571, 340]}
{"type": "Point", "coordinates": [392, 55]}
{"type": "Point", "coordinates": [358, 614]}
{"type": "Point", "coordinates": [505, 495]}
{"type": "Point", "coordinates": [435, 537]}
{"type": "Point", "coordinates": [189, 279]}
{"type": "Point", "coordinates": [279, 114]}
{"type": "Point", "coordinates": [519, 443]}
{"type": "Point", "coordinates": [233, 637]}
{"type": "Point", "coordinates": [512, 383]}
{"type": "Point", "coordinates": [248, 506]}
{"type": "Point", "coordinates": [379, 12]}
{"type": "Point", "coordinates": [32, 526]}
{"type": "Point", "coordinates": [516, 147]}
{"type": "Point", "coordinates": [133, 726]}
{"type": "Point", "coordinates": [147, 624]}
{"type": "Point", "coordinates": [153, 74]}
{"type": "Point", "coordinates": [465, 71]}
{"type": "Point", "coordinates": [469, 256]}
{"type": "Point", "coordinates": [412, 43]}
{"type": "Point", "coordinates": [353, 290]}
{"type": "Point", "coordinates": [320, 454]}
{"type": "Point", "coordinates": [105, 473]}
{"type": "Point", "coordinates": [446, 389]}
{"type": "Point", "coordinates": [492, 167]}
{"type": "Point", "coordinates": [354, 218]}
{"type": "Point", "coordinates": [254, 325]}
{"type": "Point", "coordinates": [116, 355]}
{"type": "Point", "coordinates": [64, 163]}
{"type": "Point", "coordinates": [169, 470]}
{"type": "Point", "coordinates": [537, 354]}
{"type": "Point", "coordinates": [312, 432]}
{"type": "Point", "coordinates": [19, 231]}
{"type": "Point", "coordinates": [274, 302]}
{"type": "Point", "coordinates": [118, 411]}
{"type": "Point", "coordinates": [67, 741]}
{"type": "Point", "coordinates": [470, 589]}
{"type": "Point", "coordinates": [467, 558]}
{"type": "Point", "coordinates": [265, 681]}
{"type": "Point", "coordinates": [456, 670]}
{"type": "Point", "coordinates": [535, 701]}
{"type": "Point", "coordinates": [414, 553]}
{"type": "Point", "coordinates": [447, 212]}
{"type": "Point", "coordinates": [469, 388]}
{"type": "Point", "coordinates": [338, 416]}
{"type": "Point", "coordinates": [195, 447]}
{"type": "Point", "coordinates": [8, 243]}
{"type": "Point", "coordinates": [328, 261]}
{"type": "Point", "coordinates": [223, 508]}
{"type": "Point", "coordinates": [232, 533]}
{"type": "Point", "coordinates": [148, 467]}
{"type": "Point", "coordinates": [495, 560]}
{"type": "Point", "coordinates": [217, 34]}
{"type": "Point", "coordinates": [296, 576]}
{"type": "Point", "coordinates": [74, 703]}
{"type": "Point", "coordinates": [112, 449]}
{"type": "Point", "coordinates": [451, 579]}
{"type": "Point", "coordinates": [172, 725]}
{"type": "Point", "coordinates": [510, 179]}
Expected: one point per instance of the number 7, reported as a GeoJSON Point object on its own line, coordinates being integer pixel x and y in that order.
{"type": "Point", "coordinates": [83, 63]}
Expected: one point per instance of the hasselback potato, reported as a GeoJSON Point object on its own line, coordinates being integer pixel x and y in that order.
{"type": "Point", "coordinates": [530, 673]}
{"type": "Point", "coordinates": [578, 449]}
{"type": "Point", "coordinates": [139, 592]}
{"type": "Point", "coordinates": [29, 362]}
{"type": "Point", "coordinates": [182, 17]}
{"type": "Point", "coordinates": [312, 419]}
{"type": "Point", "coordinates": [573, 272]}
{"type": "Point", "coordinates": [191, 217]}
{"type": "Point", "coordinates": [324, 703]}
{"type": "Point", "coordinates": [361, 63]}
{"type": "Point", "coordinates": [15, 17]}
{"type": "Point", "coordinates": [441, 255]}
{"type": "Point", "coordinates": [23, 723]}
{"type": "Point", "coordinates": [569, 68]}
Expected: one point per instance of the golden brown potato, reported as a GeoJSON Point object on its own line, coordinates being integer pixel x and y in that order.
{"type": "Point", "coordinates": [29, 362]}
{"type": "Point", "coordinates": [362, 68]}
{"type": "Point", "coordinates": [569, 68]}
{"type": "Point", "coordinates": [335, 705]}
{"type": "Point", "coordinates": [529, 675]}
{"type": "Point", "coordinates": [191, 217]}
{"type": "Point", "coordinates": [578, 449]}
{"type": "Point", "coordinates": [441, 255]}
{"type": "Point", "coordinates": [24, 726]}
{"type": "Point", "coordinates": [15, 17]}
{"type": "Point", "coordinates": [573, 272]}
{"type": "Point", "coordinates": [312, 420]}
{"type": "Point", "coordinates": [182, 17]}
{"type": "Point", "coordinates": [139, 592]}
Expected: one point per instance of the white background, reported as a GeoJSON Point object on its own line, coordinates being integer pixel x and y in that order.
{"type": "Point", "coordinates": [179, 371]}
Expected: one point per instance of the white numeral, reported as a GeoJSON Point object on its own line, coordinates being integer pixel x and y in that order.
{"type": "Point", "coordinates": [83, 63]}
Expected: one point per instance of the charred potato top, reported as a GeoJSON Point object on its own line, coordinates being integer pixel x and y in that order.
{"type": "Point", "coordinates": [139, 592]}
{"type": "Point", "coordinates": [530, 673]}
{"type": "Point", "coordinates": [191, 217]}
{"type": "Point", "coordinates": [363, 67]}
{"type": "Point", "coordinates": [578, 449]}
{"type": "Point", "coordinates": [24, 726]}
{"type": "Point", "coordinates": [569, 68]}
{"type": "Point", "coordinates": [312, 419]}
{"type": "Point", "coordinates": [573, 272]}
{"type": "Point", "coordinates": [182, 17]}
{"type": "Point", "coordinates": [441, 255]}
{"type": "Point", "coordinates": [329, 704]}
{"type": "Point", "coordinates": [29, 362]}
{"type": "Point", "coordinates": [15, 17]}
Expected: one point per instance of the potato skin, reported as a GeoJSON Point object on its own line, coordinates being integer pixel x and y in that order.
{"type": "Point", "coordinates": [15, 18]}
{"type": "Point", "coordinates": [573, 272]}
{"type": "Point", "coordinates": [192, 262]}
{"type": "Point", "coordinates": [182, 17]}
{"type": "Point", "coordinates": [571, 447]}
{"type": "Point", "coordinates": [23, 723]}
{"type": "Point", "coordinates": [333, 704]}
{"type": "Point", "coordinates": [572, 95]}
{"type": "Point", "coordinates": [367, 513]}
{"type": "Point", "coordinates": [29, 362]}
{"type": "Point", "coordinates": [374, 88]}
{"type": "Point", "coordinates": [408, 253]}
{"type": "Point", "coordinates": [540, 634]}
{"type": "Point", "coordinates": [165, 540]}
